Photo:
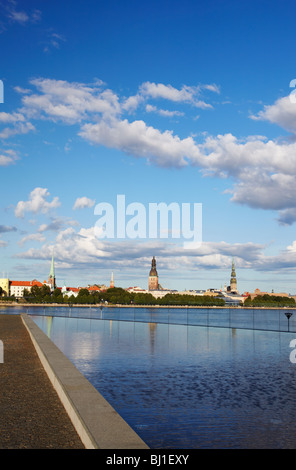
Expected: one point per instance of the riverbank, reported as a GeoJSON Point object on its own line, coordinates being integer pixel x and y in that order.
{"type": "Point", "coordinates": [99, 306]}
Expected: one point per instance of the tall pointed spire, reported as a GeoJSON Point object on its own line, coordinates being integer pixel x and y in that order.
{"type": "Point", "coordinates": [51, 278]}
{"type": "Point", "coordinates": [112, 281]}
{"type": "Point", "coordinates": [51, 273]}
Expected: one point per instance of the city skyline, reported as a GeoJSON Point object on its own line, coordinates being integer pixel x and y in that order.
{"type": "Point", "coordinates": [159, 102]}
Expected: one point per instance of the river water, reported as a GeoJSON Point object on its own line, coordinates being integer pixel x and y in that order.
{"type": "Point", "coordinates": [183, 385]}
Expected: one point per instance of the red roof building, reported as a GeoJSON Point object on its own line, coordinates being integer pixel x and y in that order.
{"type": "Point", "coordinates": [17, 288]}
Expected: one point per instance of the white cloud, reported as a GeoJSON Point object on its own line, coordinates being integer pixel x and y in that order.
{"type": "Point", "coordinates": [132, 102]}
{"type": "Point", "coordinates": [262, 171]}
{"type": "Point", "coordinates": [162, 112]}
{"type": "Point", "coordinates": [56, 224]}
{"type": "Point", "coordinates": [140, 140]}
{"type": "Point", "coordinates": [282, 113]}
{"type": "Point", "coordinates": [69, 102]}
{"type": "Point", "coordinates": [18, 16]}
{"type": "Point", "coordinates": [83, 202]}
{"type": "Point", "coordinates": [82, 250]}
{"type": "Point", "coordinates": [8, 157]}
{"type": "Point", "coordinates": [22, 90]}
{"type": "Point", "coordinates": [186, 94]}
{"type": "Point", "coordinates": [75, 102]}
{"type": "Point", "coordinates": [19, 122]}
{"type": "Point", "coordinates": [32, 237]}
{"type": "Point", "coordinates": [22, 17]}
{"type": "Point", "coordinates": [19, 128]}
{"type": "Point", "coordinates": [37, 202]}
{"type": "Point", "coordinates": [54, 41]}
{"type": "Point", "coordinates": [11, 117]}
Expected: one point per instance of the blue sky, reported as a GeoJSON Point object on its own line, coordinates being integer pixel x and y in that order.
{"type": "Point", "coordinates": [166, 101]}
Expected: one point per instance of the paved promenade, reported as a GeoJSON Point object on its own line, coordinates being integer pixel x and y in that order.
{"type": "Point", "coordinates": [31, 413]}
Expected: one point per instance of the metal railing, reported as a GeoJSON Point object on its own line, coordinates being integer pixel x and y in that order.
{"type": "Point", "coordinates": [267, 319]}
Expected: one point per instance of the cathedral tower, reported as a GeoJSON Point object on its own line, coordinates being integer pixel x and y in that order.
{"type": "Point", "coordinates": [153, 276]}
{"type": "Point", "coordinates": [233, 282]}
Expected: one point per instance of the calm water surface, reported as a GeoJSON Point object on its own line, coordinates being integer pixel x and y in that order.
{"type": "Point", "coordinates": [184, 386]}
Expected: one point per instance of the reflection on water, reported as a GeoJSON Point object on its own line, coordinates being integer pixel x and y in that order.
{"type": "Point", "coordinates": [184, 386]}
{"type": "Point", "coordinates": [260, 319]}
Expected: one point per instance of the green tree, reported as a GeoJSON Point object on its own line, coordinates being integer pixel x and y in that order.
{"type": "Point", "coordinates": [57, 296]}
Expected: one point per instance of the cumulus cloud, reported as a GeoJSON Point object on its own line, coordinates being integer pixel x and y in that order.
{"type": "Point", "coordinates": [82, 250]}
{"type": "Point", "coordinates": [69, 102]}
{"type": "Point", "coordinates": [8, 157]}
{"type": "Point", "coordinates": [32, 237]}
{"type": "Point", "coordinates": [7, 228]}
{"type": "Point", "coordinates": [18, 122]}
{"type": "Point", "coordinates": [11, 117]}
{"type": "Point", "coordinates": [137, 139]}
{"type": "Point", "coordinates": [162, 112]}
{"type": "Point", "coordinates": [262, 171]}
{"type": "Point", "coordinates": [282, 113]}
{"type": "Point", "coordinates": [75, 102]}
{"type": "Point", "coordinates": [56, 224]}
{"type": "Point", "coordinates": [19, 128]}
{"type": "Point", "coordinates": [78, 248]}
{"type": "Point", "coordinates": [83, 202]}
{"type": "Point", "coordinates": [186, 94]}
{"type": "Point", "coordinates": [37, 202]}
{"type": "Point", "coordinates": [287, 216]}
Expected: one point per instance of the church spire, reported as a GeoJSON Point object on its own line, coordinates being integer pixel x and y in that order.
{"type": "Point", "coordinates": [233, 281]}
{"type": "Point", "coordinates": [112, 281]}
{"type": "Point", "coordinates": [51, 278]}
{"type": "Point", "coordinates": [51, 273]}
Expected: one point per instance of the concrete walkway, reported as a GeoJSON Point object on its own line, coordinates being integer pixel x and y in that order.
{"type": "Point", "coordinates": [45, 402]}
{"type": "Point", "coordinates": [31, 413]}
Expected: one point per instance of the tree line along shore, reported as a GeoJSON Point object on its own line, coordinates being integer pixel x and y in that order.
{"type": "Point", "coordinates": [119, 296]}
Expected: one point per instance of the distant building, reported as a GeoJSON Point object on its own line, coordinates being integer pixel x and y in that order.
{"type": "Point", "coordinates": [70, 291]}
{"type": "Point", "coordinates": [112, 281]}
{"type": "Point", "coordinates": [51, 279]}
{"type": "Point", "coordinates": [4, 284]}
{"type": "Point", "coordinates": [94, 289]}
{"type": "Point", "coordinates": [17, 287]}
{"type": "Point", "coordinates": [136, 290]}
{"type": "Point", "coordinates": [233, 282]}
{"type": "Point", "coordinates": [153, 276]}
{"type": "Point", "coordinates": [257, 292]}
